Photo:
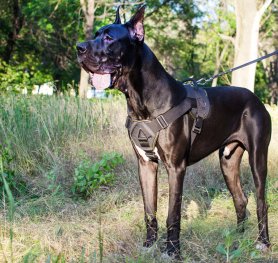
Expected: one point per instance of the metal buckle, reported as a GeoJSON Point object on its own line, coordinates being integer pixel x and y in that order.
{"type": "Point", "coordinates": [151, 155]}
{"type": "Point", "coordinates": [162, 122]}
{"type": "Point", "coordinates": [197, 127]}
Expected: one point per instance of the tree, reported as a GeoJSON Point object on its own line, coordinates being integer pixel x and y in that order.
{"type": "Point", "coordinates": [41, 47]}
{"type": "Point", "coordinates": [269, 67]}
{"type": "Point", "coordinates": [13, 31]}
{"type": "Point", "coordinates": [88, 9]}
{"type": "Point", "coordinates": [170, 32]}
{"type": "Point", "coordinates": [248, 16]}
{"type": "Point", "coordinates": [38, 39]}
{"type": "Point", "coordinates": [213, 52]}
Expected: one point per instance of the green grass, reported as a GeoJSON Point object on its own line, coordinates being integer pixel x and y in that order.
{"type": "Point", "coordinates": [43, 141]}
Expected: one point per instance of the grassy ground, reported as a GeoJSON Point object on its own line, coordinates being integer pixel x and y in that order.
{"type": "Point", "coordinates": [44, 139]}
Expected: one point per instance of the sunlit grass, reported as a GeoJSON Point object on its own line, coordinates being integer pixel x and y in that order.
{"type": "Point", "coordinates": [48, 137]}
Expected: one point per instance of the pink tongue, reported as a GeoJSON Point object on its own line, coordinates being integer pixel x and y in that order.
{"type": "Point", "coordinates": [101, 81]}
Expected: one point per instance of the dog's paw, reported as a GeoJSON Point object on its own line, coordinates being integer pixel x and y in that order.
{"type": "Point", "coordinates": [150, 252]}
{"type": "Point", "coordinates": [171, 258]}
{"type": "Point", "coordinates": [146, 250]}
{"type": "Point", "coordinates": [262, 247]}
{"type": "Point", "coordinates": [165, 257]}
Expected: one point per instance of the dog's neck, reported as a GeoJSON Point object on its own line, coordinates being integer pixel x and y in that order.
{"type": "Point", "coordinates": [149, 88]}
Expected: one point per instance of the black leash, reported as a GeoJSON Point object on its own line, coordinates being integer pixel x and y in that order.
{"type": "Point", "coordinates": [203, 81]}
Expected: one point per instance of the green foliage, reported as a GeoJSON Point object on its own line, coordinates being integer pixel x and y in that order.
{"type": "Point", "coordinates": [4, 183]}
{"type": "Point", "coordinates": [226, 249]}
{"type": "Point", "coordinates": [16, 78]}
{"type": "Point", "coordinates": [185, 35]}
{"type": "Point", "coordinates": [11, 203]}
{"type": "Point", "coordinates": [5, 160]}
{"type": "Point", "coordinates": [113, 93]}
{"type": "Point", "coordinates": [261, 89]}
{"type": "Point", "coordinates": [46, 137]}
{"type": "Point", "coordinates": [53, 186]}
{"type": "Point", "coordinates": [90, 176]}
{"type": "Point", "coordinates": [235, 247]}
{"type": "Point", "coordinates": [210, 43]}
{"type": "Point", "coordinates": [39, 137]}
{"type": "Point", "coordinates": [8, 176]}
{"type": "Point", "coordinates": [44, 48]}
{"type": "Point", "coordinates": [170, 31]}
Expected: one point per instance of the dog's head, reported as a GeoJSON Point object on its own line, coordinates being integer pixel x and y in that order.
{"type": "Point", "coordinates": [111, 50]}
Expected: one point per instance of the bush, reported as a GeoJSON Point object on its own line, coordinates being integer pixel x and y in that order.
{"type": "Point", "coordinates": [16, 78]}
{"type": "Point", "coordinates": [90, 176]}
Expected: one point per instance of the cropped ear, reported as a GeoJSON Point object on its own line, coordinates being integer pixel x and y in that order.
{"type": "Point", "coordinates": [118, 18]}
{"type": "Point", "coordinates": [135, 24]}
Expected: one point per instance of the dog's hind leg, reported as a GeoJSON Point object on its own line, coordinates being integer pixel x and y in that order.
{"type": "Point", "coordinates": [259, 134]}
{"type": "Point", "coordinates": [258, 163]}
{"type": "Point", "coordinates": [230, 159]}
{"type": "Point", "coordinates": [148, 181]}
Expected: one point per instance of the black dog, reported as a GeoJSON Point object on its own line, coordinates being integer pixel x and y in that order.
{"type": "Point", "coordinates": [238, 121]}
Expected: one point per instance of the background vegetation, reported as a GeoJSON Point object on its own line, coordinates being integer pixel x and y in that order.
{"type": "Point", "coordinates": [68, 175]}
{"type": "Point", "coordinates": [51, 145]}
{"type": "Point", "coordinates": [191, 38]}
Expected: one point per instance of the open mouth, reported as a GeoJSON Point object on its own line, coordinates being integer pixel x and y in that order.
{"type": "Point", "coordinates": [101, 81]}
{"type": "Point", "coordinates": [102, 76]}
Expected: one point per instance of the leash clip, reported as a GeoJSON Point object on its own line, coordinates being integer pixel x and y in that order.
{"type": "Point", "coordinates": [202, 81]}
{"type": "Point", "coordinates": [191, 81]}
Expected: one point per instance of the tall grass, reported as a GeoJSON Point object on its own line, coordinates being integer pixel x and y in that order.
{"type": "Point", "coordinates": [47, 135]}
{"type": "Point", "coordinates": [11, 206]}
{"type": "Point", "coordinates": [42, 141]}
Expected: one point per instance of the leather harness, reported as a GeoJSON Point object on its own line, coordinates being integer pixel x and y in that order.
{"type": "Point", "coordinates": [144, 133]}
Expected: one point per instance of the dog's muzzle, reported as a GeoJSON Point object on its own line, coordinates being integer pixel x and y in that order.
{"type": "Point", "coordinates": [103, 74]}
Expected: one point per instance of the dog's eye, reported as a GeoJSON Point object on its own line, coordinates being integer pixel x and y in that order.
{"type": "Point", "coordinates": [107, 37]}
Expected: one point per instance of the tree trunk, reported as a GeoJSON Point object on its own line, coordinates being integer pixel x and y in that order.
{"type": "Point", "coordinates": [83, 84]}
{"type": "Point", "coordinates": [88, 8]}
{"type": "Point", "coordinates": [248, 19]}
{"type": "Point", "coordinates": [219, 59]}
{"type": "Point", "coordinates": [17, 22]}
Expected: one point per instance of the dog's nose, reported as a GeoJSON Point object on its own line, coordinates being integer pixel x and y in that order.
{"type": "Point", "coordinates": [82, 47]}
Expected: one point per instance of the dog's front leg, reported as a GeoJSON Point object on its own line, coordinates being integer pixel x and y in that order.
{"type": "Point", "coordinates": [175, 177]}
{"type": "Point", "coordinates": [148, 180]}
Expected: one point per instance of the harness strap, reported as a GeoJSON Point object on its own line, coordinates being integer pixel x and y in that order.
{"type": "Point", "coordinates": [144, 133]}
{"type": "Point", "coordinates": [196, 129]}
{"type": "Point", "coordinates": [202, 108]}
{"type": "Point", "coordinates": [162, 121]}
